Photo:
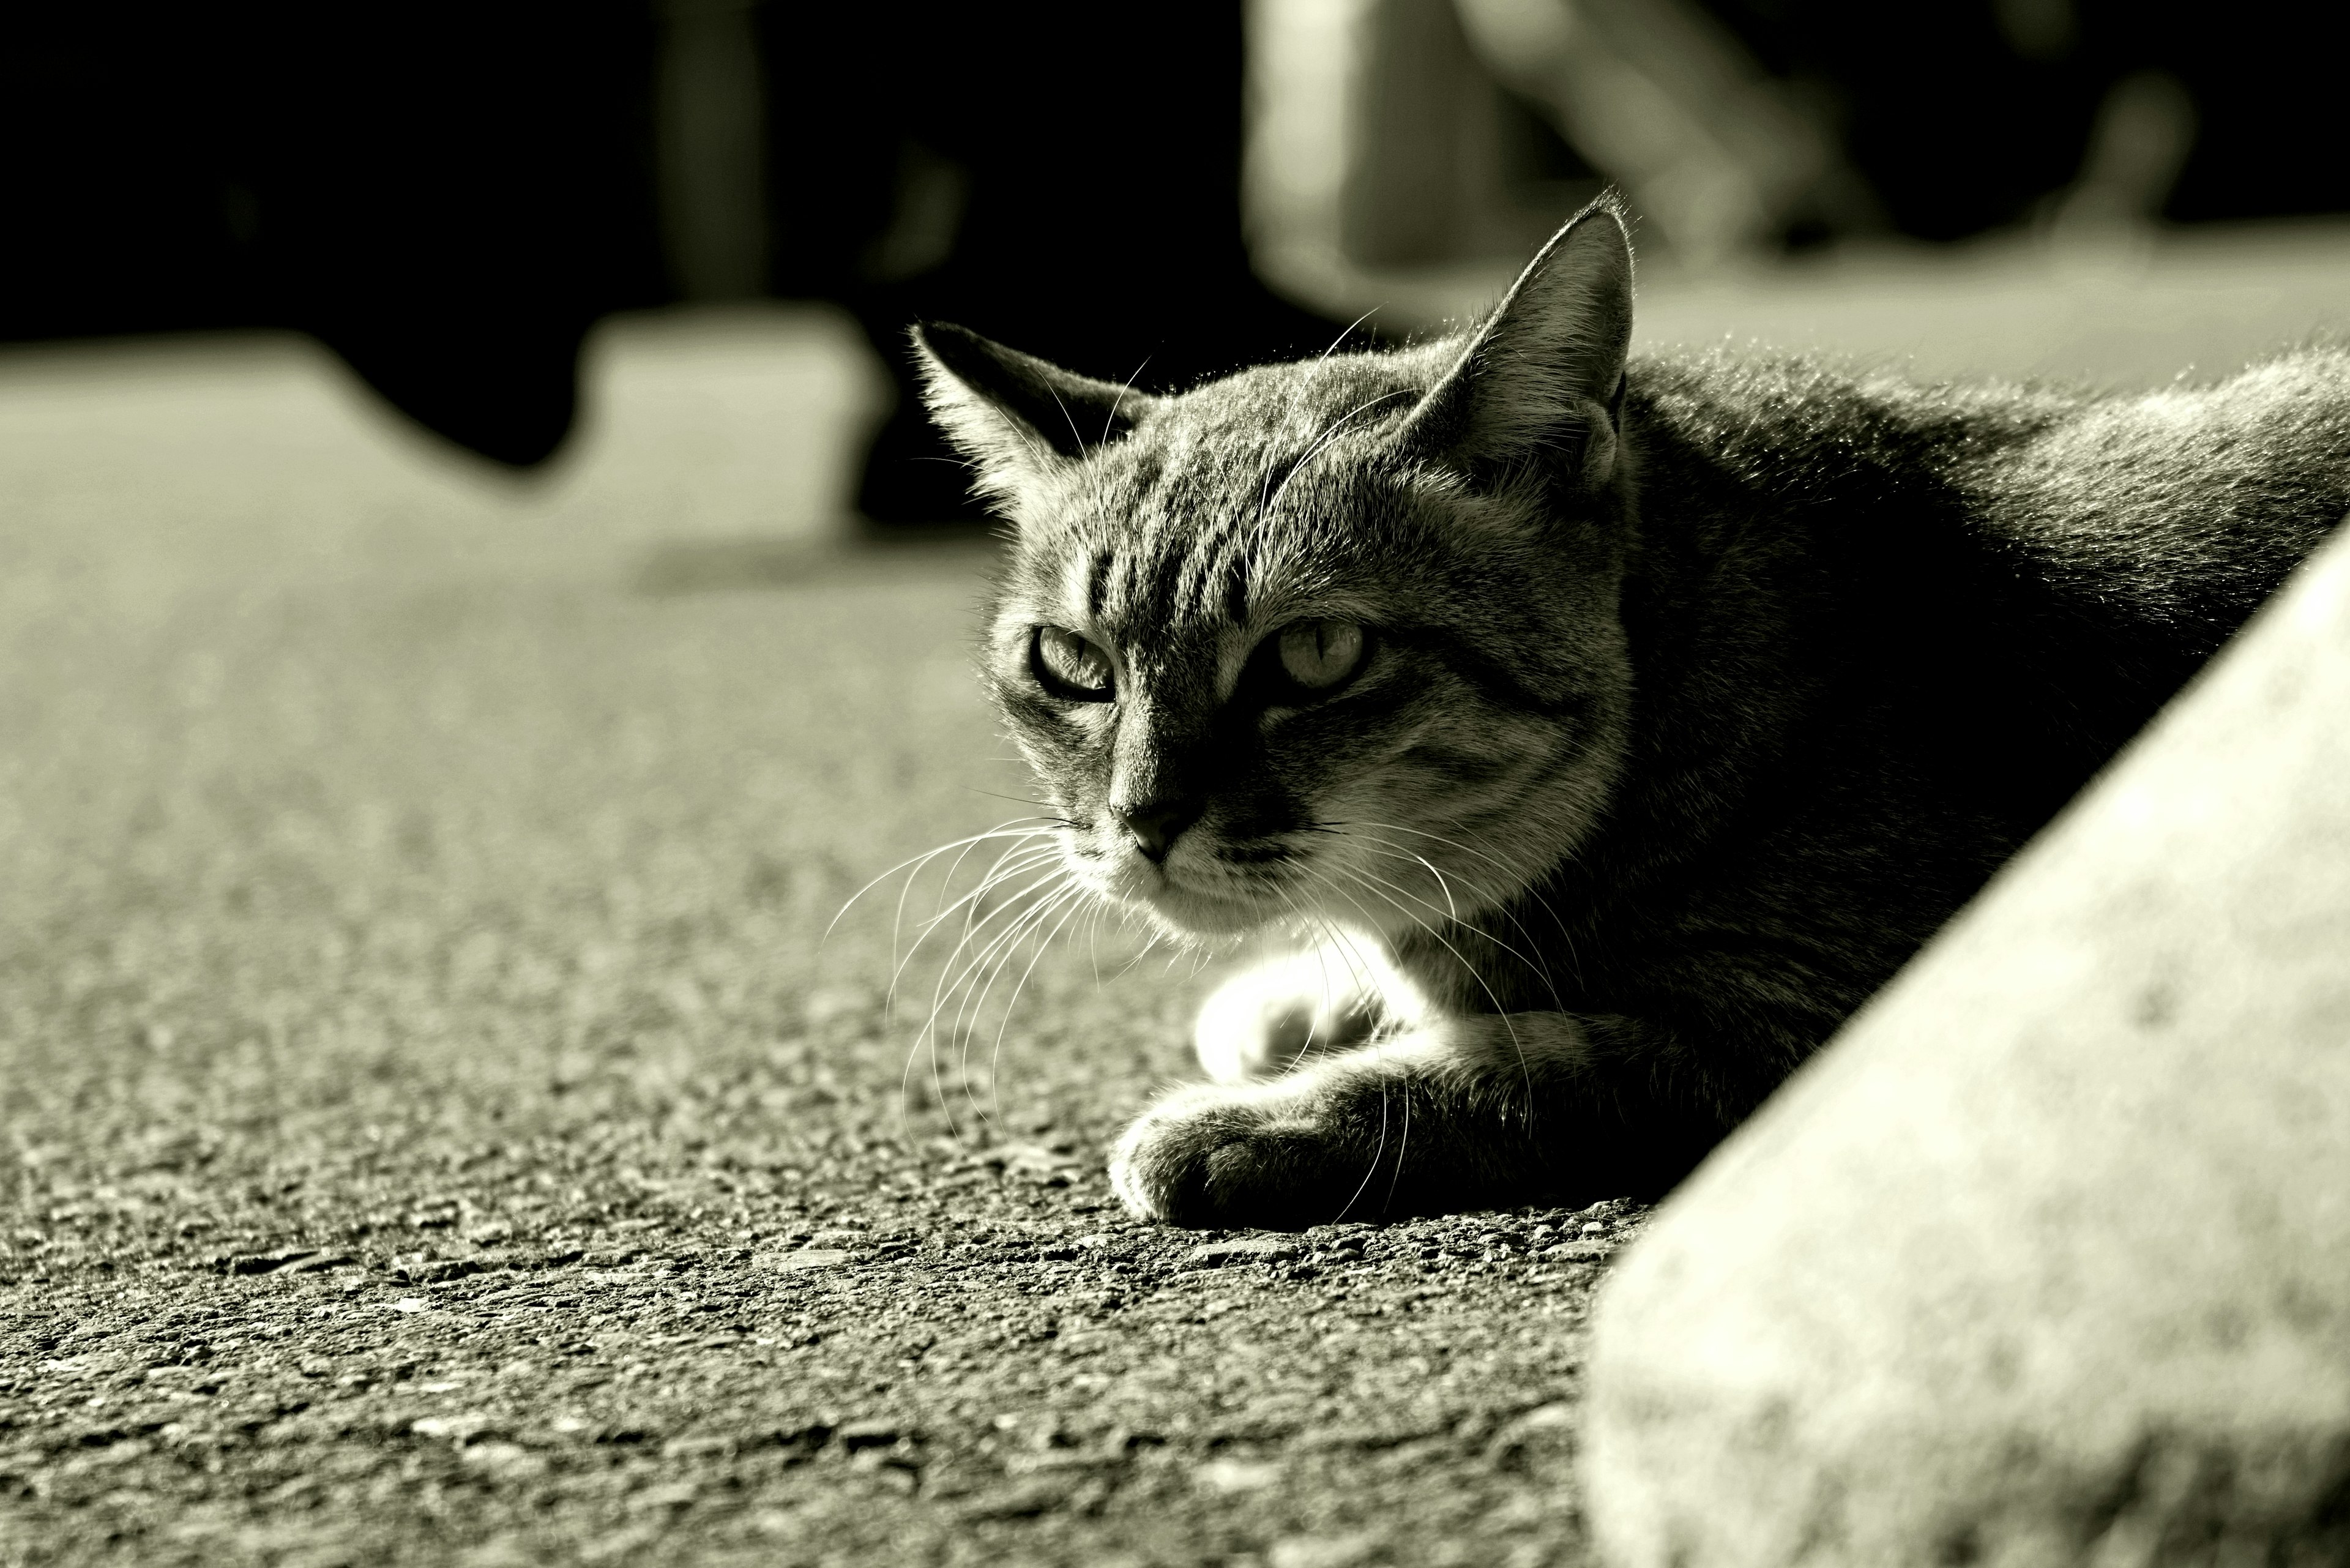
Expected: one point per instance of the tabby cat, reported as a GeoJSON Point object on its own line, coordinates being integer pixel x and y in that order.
{"type": "Point", "coordinates": [1604, 731]}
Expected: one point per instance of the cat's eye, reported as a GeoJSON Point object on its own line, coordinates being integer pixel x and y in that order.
{"type": "Point", "coordinates": [1069, 667]}
{"type": "Point", "coordinates": [1319, 655]}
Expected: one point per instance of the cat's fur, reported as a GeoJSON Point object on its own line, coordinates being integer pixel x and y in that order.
{"type": "Point", "coordinates": [1700, 692]}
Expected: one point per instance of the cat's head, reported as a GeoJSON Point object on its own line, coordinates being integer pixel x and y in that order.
{"type": "Point", "coordinates": [1333, 642]}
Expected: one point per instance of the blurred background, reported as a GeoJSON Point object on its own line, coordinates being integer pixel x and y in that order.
{"type": "Point", "coordinates": [671, 251]}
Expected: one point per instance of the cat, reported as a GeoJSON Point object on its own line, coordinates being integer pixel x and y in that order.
{"type": "Point", "coordinates": [1605, 730]}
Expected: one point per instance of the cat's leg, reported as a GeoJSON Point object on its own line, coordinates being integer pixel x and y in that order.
{"type": "Point", "coordinates": [1456, 1114]}
{"type": "Point", "coordinates": [1273, 1017]}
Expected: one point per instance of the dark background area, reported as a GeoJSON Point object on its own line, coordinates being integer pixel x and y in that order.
{"type": "Point", "coordinates": [450, 197]}
{"type": "Point", "coordinates": [1965, 117]}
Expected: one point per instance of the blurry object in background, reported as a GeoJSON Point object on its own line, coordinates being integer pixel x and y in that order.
{"type": "Point", "coordinates": [1966, 117]}
{"type": "Point", "coordinates": [1722, 158]}
{"type": "Point", "coordinates": [1401, 144]}
{"type": "Point", "coordinates": [2052, 137]}
{"type": "Point", "coordinates": [932, 192]}
{"type": "Point", "coordinates": [2143, 132]}
{"type": "Point", "coordinates": [1432, 160]}
{"type": "Point", "coordinates": [447, 198]}
{"type": "Point", "coordinates": [1383, 161]}
{"type": "Point", "coordinates": [1960, 116]}
{"type": "Point", "coordinates": [1062, 177]}
{"type": "Point", "coordinates": [2037, 30]}
{"type": "Point", "coordinates": [450, 197]}
{"type": "Point", "coordinates": [710, 133]}
{"type": "Point", "coordinates": [1743, 130]}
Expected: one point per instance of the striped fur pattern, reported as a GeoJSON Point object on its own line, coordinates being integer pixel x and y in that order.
{"type": "Point", "coordinates": [1678, 701]}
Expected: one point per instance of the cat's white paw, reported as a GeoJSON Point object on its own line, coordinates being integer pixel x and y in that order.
{"type": "Point", "coordinates": [1270, 1018]}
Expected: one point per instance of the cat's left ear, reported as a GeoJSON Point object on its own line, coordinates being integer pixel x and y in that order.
{"type": "Point", "coordinates": [1541, 383]}
{"type": "Point", "coordinates": [1015, 416]}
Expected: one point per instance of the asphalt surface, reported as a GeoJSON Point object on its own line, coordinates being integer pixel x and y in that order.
{"type": "Point", "coordinates": [437, 1131]}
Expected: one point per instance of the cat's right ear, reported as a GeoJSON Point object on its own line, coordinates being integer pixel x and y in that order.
{"type": "Point", "coordinates": [1540, 384]}
{"type": "Point", "coordinates": [1014, 416]}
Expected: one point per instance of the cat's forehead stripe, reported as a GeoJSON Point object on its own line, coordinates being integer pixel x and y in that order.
{"type": "Point", "coordinates": [1187, 536]}
{"type": "Point", "coordinates": [1092, 585]}
{"type": "Point", "coordinates": [1074, 601]}
{"type": "Point", "coordinates": [1152, 585]}
{"type": "Point", "coordinates": [1236, 592]}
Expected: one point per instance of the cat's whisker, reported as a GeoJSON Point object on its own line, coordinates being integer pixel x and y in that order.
{"type": "Point", "coordinates": [1017, 841]}
{"type": "Point", "coordinates": [1392, 890]}
{"type": "Point", "coordinates": [1298, 409]}
{"type": "Point", "coordinates": [1452, 911]}
{"type": "Point", "coordinates": [942, 909]}
{"type": "Point", "coordinates": [1324, 357]}
{"type": "Point", "coordinates": [1073, 435]}
{"type": "Point", "coordinates": [1371, 1170]}
{"type": "Point", "coordinates": [1043, 856]}
{"type": "Point", "coordinates": [1118, 404]}
{"type": "Point", "coordinates": [970, 1013]}
{"type": "Point", "coordinates": [906, 1095]}
{"type": "Point", "coordinates": [1018, 907]}
{"type": "Point", "coordinates": [1397, 852]}
{"type": "Point", "coordinates": [952, 982]}
{"type": "Point", "coordinates": [1515, 873]}
{"type": "Point", "coordinates": [1019, 800]}
{"type": "Point", "coordinates": [1358, 968]}
{"type": "Point", "coordinates": [1009, 873]}
{"type": "Point", "coordinates": [951, 979]}
{"type": "Point", "coordinates": [996, 1055]}
{"type": "Point", "coordinates": [1394, 851]}
{"type": "Point", "coordinates": [1355, 968]}
{"type": "Point", "coordinates": [1150, 940]}
{"type": "Point", "coordinates": [1403, 1143]}
{"type": "Point", "coordinates": [1328, 435]}
{"type": "Point", "coordinates": [976, 1007]}
{"type": "Point", "coordinates": [1525, 1067]}
{"type": "Point", "coordinates": [1529, 892]}
{"type": "Point", "coordinates": [1532, 962]}
{"type": "Point", "coordinates": [980, 976]}
{"type": "Point", "coordinates": [956, 980]}
{"type": "Point", "coordinates": [1322, 961]}
{"type": "Point", "coordinates": [1001, 830]}
{"type": "Point", "coordinates": [902, 960]}
{"type": "Point", "coordinates": [1008, 866]}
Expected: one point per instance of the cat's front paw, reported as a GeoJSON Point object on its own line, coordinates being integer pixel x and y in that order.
{"type": "Point", "coordinates": [1267, 1154]}
{"type": "Point", "coordinates": [1270, 1018]}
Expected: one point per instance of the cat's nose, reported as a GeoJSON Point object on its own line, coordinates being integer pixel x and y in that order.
{"type": "Point", "coordinates": [1155, 824]}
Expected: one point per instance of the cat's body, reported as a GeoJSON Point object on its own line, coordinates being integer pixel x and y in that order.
{"type": "Point", "coordinates": [1646, 717]}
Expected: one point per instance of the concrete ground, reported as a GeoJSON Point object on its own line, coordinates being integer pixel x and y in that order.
{"type": "Point", "coordinates": [437, 1129]}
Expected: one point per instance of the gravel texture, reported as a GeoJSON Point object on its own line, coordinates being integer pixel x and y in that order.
{"type": "Point", "coordinates": [432, 1131]}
